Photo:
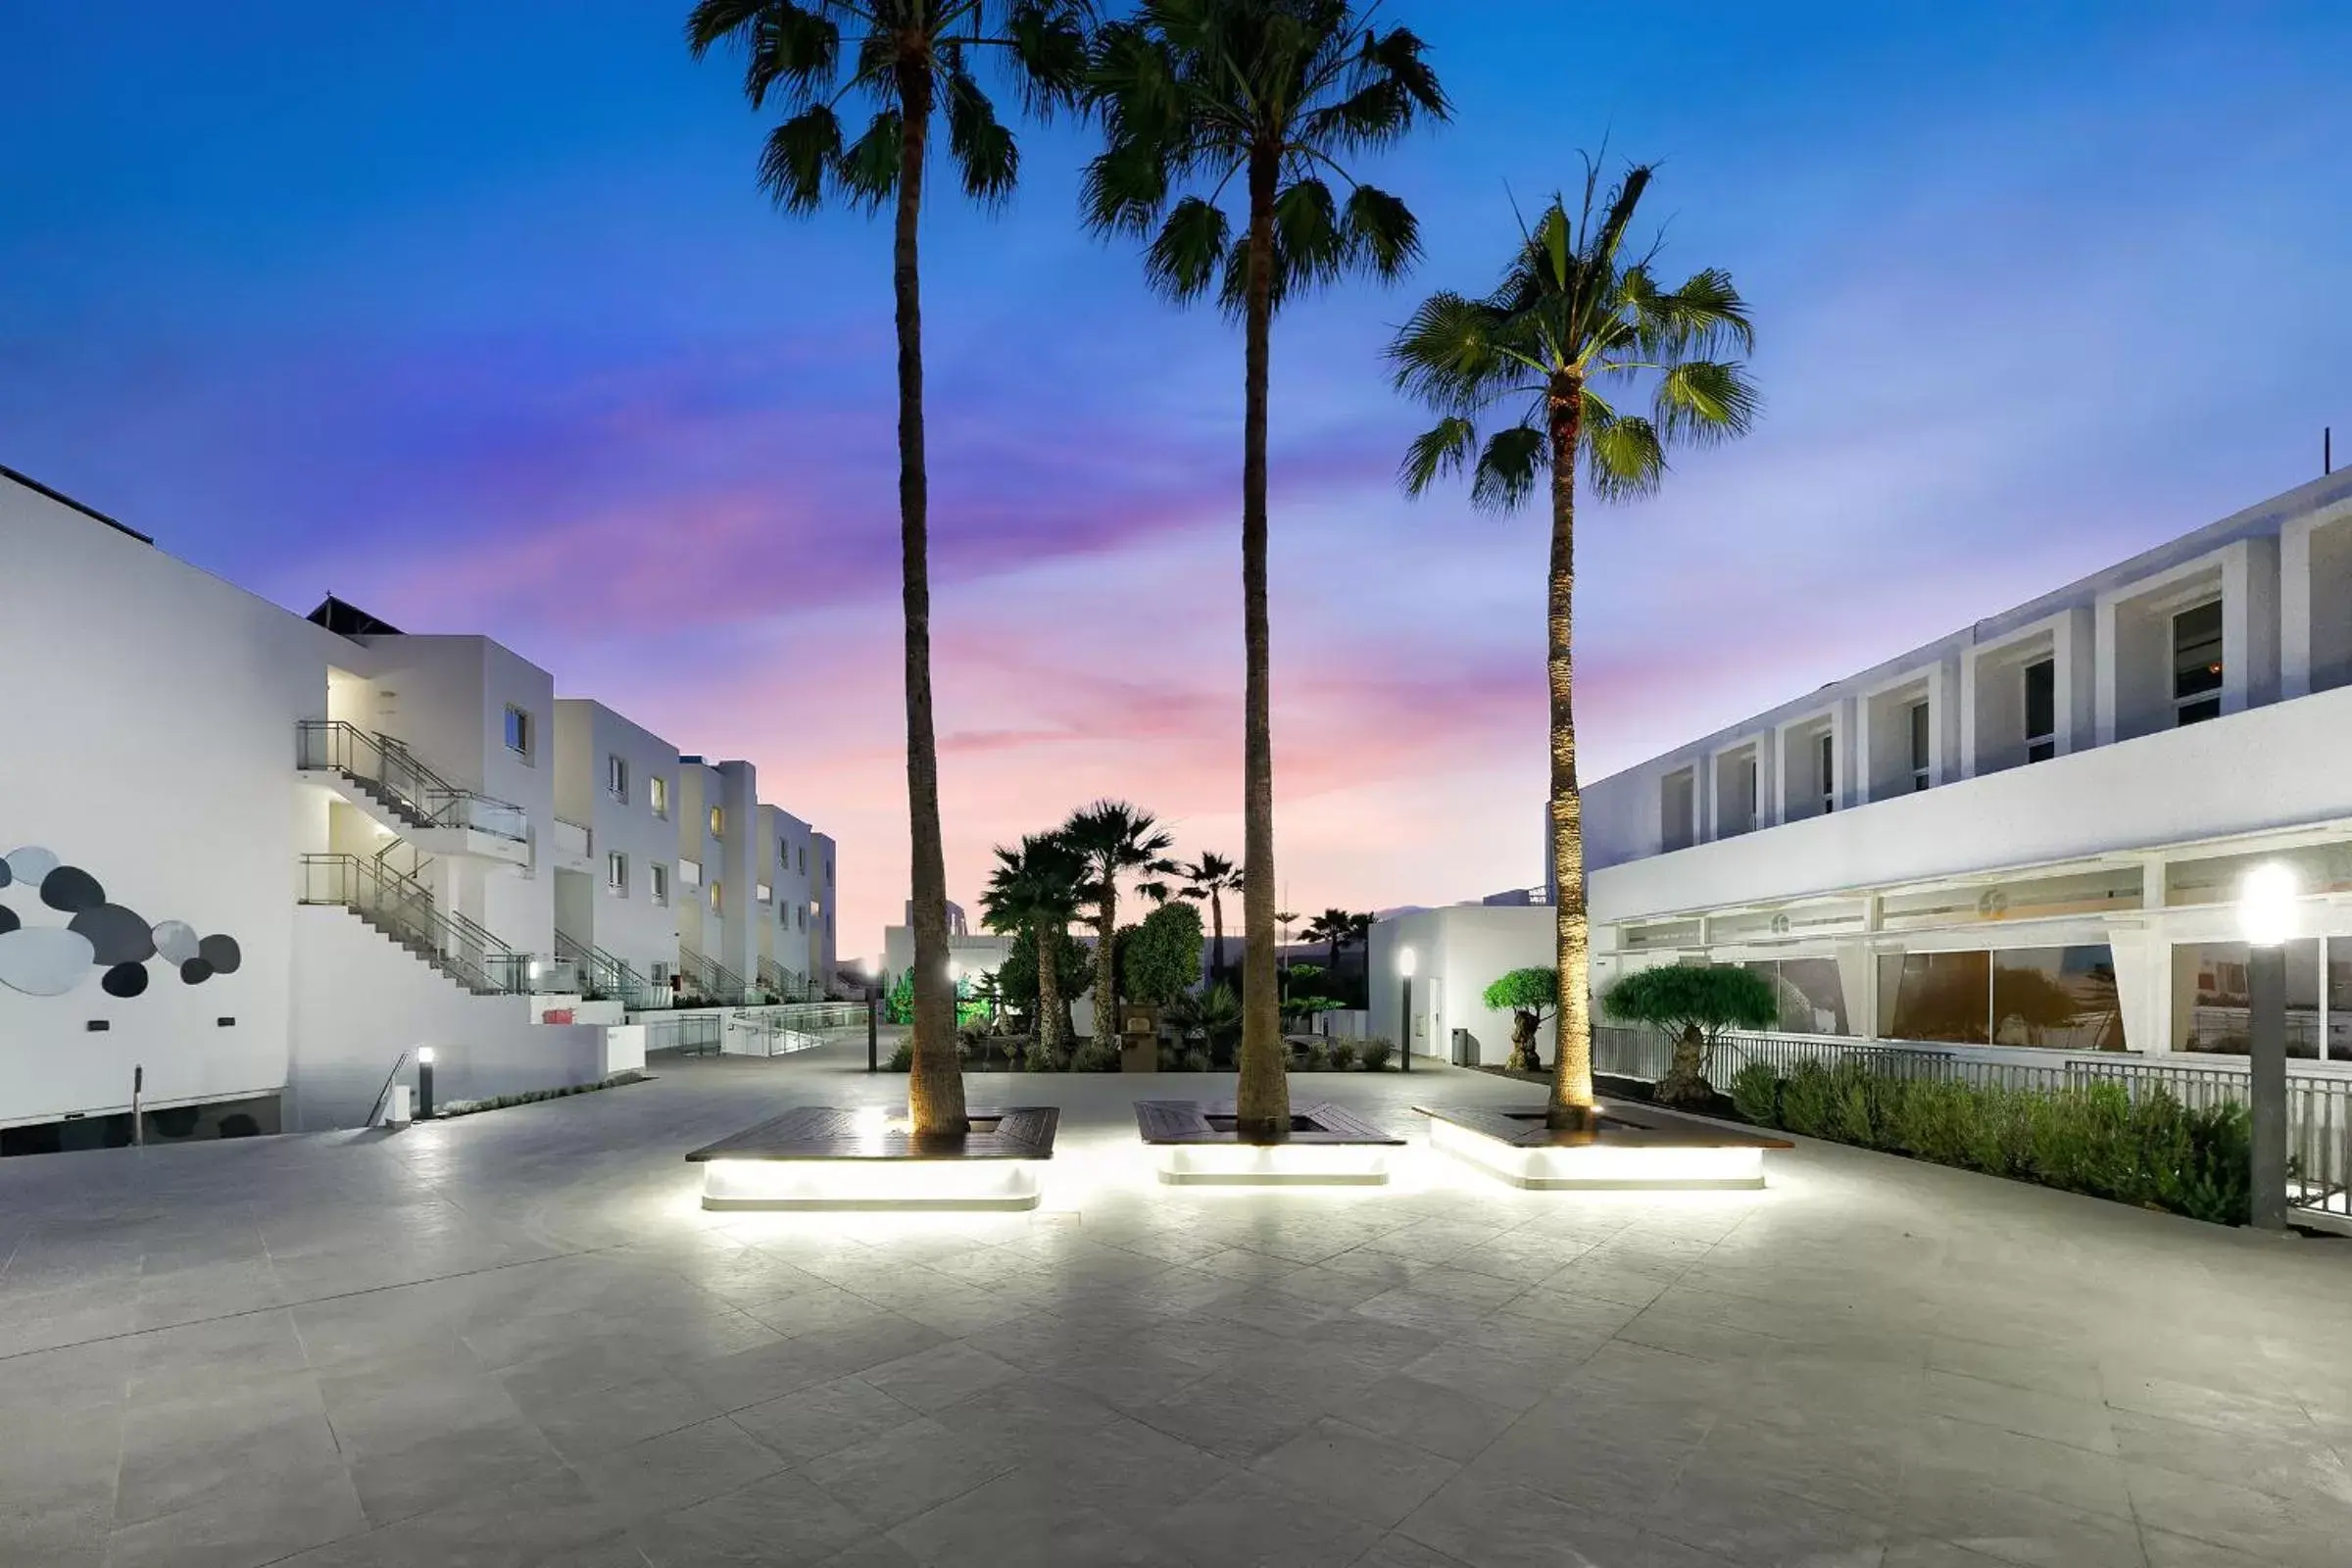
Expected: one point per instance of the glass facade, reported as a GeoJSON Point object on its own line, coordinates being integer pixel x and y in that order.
{"type": "Point", "coordinates": [2041, 711]}
{"type": "Point", "coordinates": [2213, 1012]}
{"type": "Point", "coordinates": [2052, 999]}
{"type": "Point", "coordinates": [1811, 993]}
{"type": "Point", "coordinates": [2197, 664]}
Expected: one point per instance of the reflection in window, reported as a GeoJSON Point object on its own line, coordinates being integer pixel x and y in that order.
{"type": "Point", "coordinates": [1944, 997]}
{"type": "Point", "coordinates": [2197, 664]}
{"type": "Point", "coordinates": [1811, 995]}
{"type": "Point", "coordinates": [2061, 999]}
{"type": "Point", "coordinates": [2041, 711]}
{"type": "Point", "coordinates": [2213, 1012]}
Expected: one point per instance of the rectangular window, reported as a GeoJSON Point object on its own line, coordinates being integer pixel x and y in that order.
{"type": "Point", "coordinates": [1755, 794]}
{"type": "Point", "coordinates": [2220, 1021]}
{"type": "Point", "coordinates": [519, 732]}
{"type": "Point", "coordinates": [804, 860]}
{"type": "Point", "coordinates": [661, 883]}
{"type": "Point", "coordinates": [2041, 711]}
{"type": "Point", "coordinates": [690, 872]}
{"type": "Point", "coordinates": [616, 778]}
{"type": "Point", "coordinates": [718, 823]}
{"type": "Point", "coordinates": [616, 872]}
{"type": "Point", "coordinates": [1826, 758]}
{"type": "Point", "coordinates": [657, 789]}
{"type": "Point", "coordinates": [764, 893]}
{"type": "Point", "coordinates": [1922, 753]}
{"type": "Point", "coordinates": [718, 905]}
{"type": "Point", "coordinates": [799, 916]}
{"type": "Point", "coordinates": [2197, 664]}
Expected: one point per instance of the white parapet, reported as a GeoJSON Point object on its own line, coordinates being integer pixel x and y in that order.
{"type": "Point", "coordinates": [1602, 1163]}
{"type": "Point", "coordinates": [871, 1184]}
{"type": "Point", "coordinates": [1210, 1164]}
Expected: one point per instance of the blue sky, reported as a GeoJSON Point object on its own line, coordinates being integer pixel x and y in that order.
{"type": "Point", "coordinates": [472, 315]}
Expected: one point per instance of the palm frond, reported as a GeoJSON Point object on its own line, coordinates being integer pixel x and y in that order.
{"type": "Point", "coordinates": [1047, 40]}
{"type": "Point", "coordinates": [1700, 402]}
{"type": "Point", "coordinates": [1450, 354]}
{"type": "Point", "coordinates": [1383, 235]}
{"type": "Point", "coordinates": [1447, 448]}
{"type": "Point", "coordinates": [980, 143]}
{"type": "Point", "coordinates": [1514, 466]}
{"type": "Point", "coordinates": [1624, 458]}
{"type": "Point", "coordinates": [1190, 250]}
{"type": "Point", "coordinates": [800, 154]}
{"type": "Point", "coordinates": [868, 168]}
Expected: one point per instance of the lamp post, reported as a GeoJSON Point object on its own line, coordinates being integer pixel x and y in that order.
{"type": "Point", "coordinates": [424, 1082]}
{"type": "Point", "coordinates": [1405, 967]}
{"type": "Point", "coordinates": [873, 1017]}
{"type": "Point", "coordinates": [2266, 917]}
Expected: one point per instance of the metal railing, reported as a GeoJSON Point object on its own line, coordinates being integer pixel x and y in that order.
{"type": "Point", "coordinates": [694, 1034]}
{"type": "Point", "coordinates": [793, 1026]}
{"type": "Point", "coordinates": [412, 791]}
{"type": "Point", "coordinates": [788, 985]}
{"type": "Point", "coordinates": [711, 980]}
{"type": "Point", "coordinates": [2318, 1103]}
{"type": "Point", "coordinates": [602, 976]}
{"type": "Point", "coordinates": [404, 910]}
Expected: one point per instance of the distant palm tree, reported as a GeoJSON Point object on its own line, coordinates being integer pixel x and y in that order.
{"type": "Point", "coordinates": [1331, 928]}
{"type": "Point", "coordinates": [1114, 838]}
{"type": "Point", "coordinates": [1212, 877]}
{"type": "Point", "coordinates": [1359, 935]}
{"type": "Point", "coordinates": [1037, 889]}
{"type": "Point", "coordinates": [1574, 312]}
{"type": "Point", "coordinates": [1267, 97]}
{"type": "Point", "coordinates": [906, 59]}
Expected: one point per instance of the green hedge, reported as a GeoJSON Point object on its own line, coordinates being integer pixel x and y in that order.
{"type": "Point", "coordinates": [2094, 1139]}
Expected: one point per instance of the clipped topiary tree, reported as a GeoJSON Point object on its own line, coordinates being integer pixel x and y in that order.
{"type": "Point", "coordinates": [1160, 959]}
{"type": "Point", "coordinates": [1533, 994]}
{"type": "Point", "coordinates": [1694, 1002]}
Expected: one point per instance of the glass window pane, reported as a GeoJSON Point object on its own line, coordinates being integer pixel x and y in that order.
{"type": "Point", "coordinates": [2210, 1002]}
{"type": "Point", "coordinates": [2197, 651]}
{"type": "Point", "coordinates": [1942, 996]}
{"type": "Point", "coordinates": [2339, 999]}
{"type": "Point", "coordinates": [2058, 998]}
{"type": "Point", "coordinates": [2041, 699]}
{"type": "Point", "coordinates": [1812, 997]}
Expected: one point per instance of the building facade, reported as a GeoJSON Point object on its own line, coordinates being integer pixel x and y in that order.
{"type": "Point", "coordinates": [2029, 833]}
{"type": "Point", "coordinates": [253, 862]}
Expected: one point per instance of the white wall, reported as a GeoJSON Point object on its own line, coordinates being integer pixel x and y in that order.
{"type": "Point", "coordinates": [359, 1001]}
{"type": "Point", "coordinates": [629, 925]}
{"type": "Point", "coordinates": [1458, 950]}
{"type": "Point", "coordinates": [147, 735]}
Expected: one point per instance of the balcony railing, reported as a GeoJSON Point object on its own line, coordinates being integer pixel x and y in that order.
{"type": "Point", "coordinates": [574, 841]}
{"type": "Point", "coordinates": [404, 910]}
{"type": "Point", "coordinates": [409, 789]}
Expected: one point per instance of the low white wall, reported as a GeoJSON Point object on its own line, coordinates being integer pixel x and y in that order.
{"type": "Point", "coordinates": [1458, 952]}
{"type": "Point", "coordinates": [359, 1002]}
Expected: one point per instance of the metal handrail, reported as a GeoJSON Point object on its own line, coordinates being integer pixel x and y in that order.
{"type": "Point", "coordinates": [787, 985]}
{"type": "Point", "coordinates": [601, 974]}
{"type": "Point", "coordinates": [711, 979]}
{"type": "Point", "coordinates": [404, 910]}
{"type": "Point", "coordinates": [337, 746]}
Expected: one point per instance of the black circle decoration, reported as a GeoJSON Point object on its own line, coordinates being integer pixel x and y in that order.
{"type": "Point", "coordinates": [6, 875]}
{"type": "Point", "coordinates": [195, 971]}
{"type": "Point", "coordinates": [117, 935]}
{"type": "Point", "coordinates": [8, 920]}
{"type": "Point", "coordinates": [125, 980]}
{"type": "Point", "coordinates": [71, 889]}
{"type": "Point", "coordinates": [222, 952]}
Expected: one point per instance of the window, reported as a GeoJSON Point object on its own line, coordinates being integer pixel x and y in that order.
{"type": "Point", "coordinates": [2197, 664]}
{"type": "Point", "coordinates": [1825, 756]}
{"type": "Point", "coordinates": [690, 872]}
{"type": "Point", "coordinates": [1920, 751]}
{"type": "Point", "coordinates": [661, 883]}
{"type": "Point", "coordinates": [718, 904]}
{"type": "Point", "coordinates": [2058, 998]}
{"type": "Point", "coordinates": [2041, 711]}
{"type": "Point", "coordinates": [616, 777]}
{"type": "Point", "coordinates": [799, 916]}
{"type": "Point", "coordinates": [519, 732]}
{"type": "Point", "coordinates": [617, 873]}
{"type": "Point", "coordinates": [1677, 809]}
{"type": "Point", "coordinates": [1755, 794]}
{"type": "Point", "coordinates": [804, 860]}
{"type": "Point", "coordinates": [657, 789]}
{"type": "Point", "coordinates": [2221, 1019]}
{"type": "Point", "coordinates": [828, 873]}
{"type": "Point", "coordinates": [718, 823]}
{"type": "Point", "coordinates": [763, 893]}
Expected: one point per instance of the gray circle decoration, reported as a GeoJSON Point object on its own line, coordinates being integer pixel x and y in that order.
{"type": "Point", "coordinates": [29, 863]}
{"type": "Point", "coordinates": [176, 940]}
{"type": "Point", "coordinates": [43, 961]}
{"type": "Point", "coordinates": [195, 971]}
{"type": "Point", "coordinates": [72, 890]}
{"type": "Point", "coordinates": [125, 980]}
{"type": "Point", "coordinates": [220, 954]}
{"type": "Point", "coordinates": [117, 935]}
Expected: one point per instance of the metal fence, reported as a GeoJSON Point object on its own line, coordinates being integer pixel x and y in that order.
{"type": "Point", "coordinates": [693, 1034]}
{"type": "Point", "coordinates": [791, 1027]}
{"type": "Point", "coordinates": [2319, 1104]}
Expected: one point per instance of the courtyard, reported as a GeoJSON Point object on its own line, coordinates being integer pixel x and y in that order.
{"type": "Point", "coordinates": [516, 1339]}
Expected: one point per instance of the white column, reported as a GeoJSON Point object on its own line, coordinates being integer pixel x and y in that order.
{"type": "Point", "coordinates": [2295, 609]}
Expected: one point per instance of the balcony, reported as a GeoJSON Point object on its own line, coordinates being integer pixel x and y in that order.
{"type": "Point", "coordinates": [386, 782]}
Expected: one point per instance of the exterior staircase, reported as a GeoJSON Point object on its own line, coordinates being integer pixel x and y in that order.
{"type": "Point", "coordinates": [403, 910]}
{"type": "Point", "coordinates": [383, 779]}
{"type": "Point", "coordinates": [602, 976]}
{"type": "Point", "coordinates": [712, 981]}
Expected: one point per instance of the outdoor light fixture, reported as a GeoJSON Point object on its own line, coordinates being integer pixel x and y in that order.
{"type": "Point", "coordinates": [424, 1056]}
{"type": "Point", "coordinates": [2267, 908]}
{"type": "Point", "coordinates": [1273, 1164]}
{"type": "Point", "coordinates": [1602, 1166]}
{"type": "Point", "coordinates": [1405, 967]}
{"type": "Point", "coordinates": [424, 1082]}
{"type": "Point", "coordinates": [866, 1184]}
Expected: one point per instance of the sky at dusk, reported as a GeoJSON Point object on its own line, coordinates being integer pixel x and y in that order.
{"type": "Point", "coordinates": [473, 316]}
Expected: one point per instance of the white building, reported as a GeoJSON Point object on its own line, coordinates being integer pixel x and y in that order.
{"type": "Point", "coordinates": [2028, 832]}
{"type": "Point", "coordinates": [259, 860]}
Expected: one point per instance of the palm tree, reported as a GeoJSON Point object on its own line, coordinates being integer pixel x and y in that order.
{"type": "Point", "coordinates": [1574, 313]}
{"type": "Point", "coordinates": [1038, 888]}
{"type": "Point", "coordinates": [1359, 935]}
{"type": "Point", "coordinates": [908, 59]}
{"type": "Point", "coordinates": [1113, 838]}
{"type": "Point", "coordinates": [1212, 877]}
{"type": "Point", "coordinates": [1331, 927]}
{"type": "Point", "coordinates": [1267, 97]}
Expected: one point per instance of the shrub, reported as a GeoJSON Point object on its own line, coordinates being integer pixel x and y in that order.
{"type": "Point", "coordinates": [1807, 1095]}
{"type": "Point", "coordinates": [902, 1059]}
{"type": "Point", "coordinates": [1756, 1094]}
{"type": "Point", "coordinates": [1195, 1061]}
{"type": "Point", "coordinates": [1343, 1056]}
{"type": "Point", "coordinates": [1933, 1120]}
{"type": "Point", "coordinates": [1036, 1057]}
{"type": "Point", "coordinates": [1376, 1053]}
{"type": "Point", "coordinates": [1096, 1056]}
{"type": "Point", "coordinates": [1318, 1056]}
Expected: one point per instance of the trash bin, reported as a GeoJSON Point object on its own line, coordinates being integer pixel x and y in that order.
{"type": "Point", "coordinates": [1465, 1048]}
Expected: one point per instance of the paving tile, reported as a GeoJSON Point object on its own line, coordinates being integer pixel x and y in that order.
{"type": "Point", "coordinates": [1248, 1523]}
{"type": "Point", "coordinates": [824, 1419]}
{"type": "Point", "coordinates": [779, 1521]}
{"type": "Point", "coordinates": [910, 1470]}
{"type": "Point", "coordinates": [1360, 1473]}
{"type": "Point", "coordinates": [943, 1375]}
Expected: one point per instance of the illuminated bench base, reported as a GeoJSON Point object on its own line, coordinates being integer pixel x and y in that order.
{"type": "Point", "coordinates": [1197, 1145]}
{"type": "Point", "coordinates": [828, 1158]}
{"type": "Point", "coordinates": [1633, 1150]}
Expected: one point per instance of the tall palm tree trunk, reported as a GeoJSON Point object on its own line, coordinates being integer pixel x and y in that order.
{"type": "Point", "coordinates": [1106, 1002]}
{"type": "Point", "coordinates": [1262, 1096]}
{"type": "Point", "coordinates": [935, 1087]}
{"type": "Point", "coordinates": [1216, 937]}
{"type": "Point", "coordinates": [1048, 986]}
{"type": "Point", "coordinates": [1572, 1104]}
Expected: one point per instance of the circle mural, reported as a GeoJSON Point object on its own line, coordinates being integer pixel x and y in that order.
{"type": "Point", "coordinates": [43, 961]}
{"type": "Point", "coordinates": [117, 934]}
{"type": "Point", "coordinates": [125, 980]}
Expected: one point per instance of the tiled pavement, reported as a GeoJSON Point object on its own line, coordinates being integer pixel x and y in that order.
{"type": "Point", "coordinates": [516, 1339]}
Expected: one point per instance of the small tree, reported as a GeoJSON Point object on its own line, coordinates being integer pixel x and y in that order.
{"type": "Point", "coordinates": [898, 1005]}
{"type": "Point", "coordinates": [1160, 959]}
{"type": "Point", "coordinates": [1695, 1003]}
{"type": "Point", "coordinates": [1533, 994]}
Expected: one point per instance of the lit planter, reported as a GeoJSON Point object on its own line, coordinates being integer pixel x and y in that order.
{"type": "Point", "coordinates": [828, 1158]}
{"type": "Point", "coordinates": [1632, 1149]}
{"type": "Point", "coordinates": [1193, 1144]}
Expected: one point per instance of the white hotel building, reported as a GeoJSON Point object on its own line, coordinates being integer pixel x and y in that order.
{"type": "Point", "coordinates": [259, 859]}
{"type": "Point", "coordinates": [2029, 833]}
